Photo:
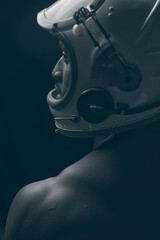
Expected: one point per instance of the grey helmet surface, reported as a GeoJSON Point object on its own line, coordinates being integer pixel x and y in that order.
{"type": "Point", "coordinates": [113, 48]}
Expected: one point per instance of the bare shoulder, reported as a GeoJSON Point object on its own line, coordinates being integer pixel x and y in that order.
{"type": "Point", "coordinates": [55, 206]}
{"type": "Point", "coordinates": [84, 200]}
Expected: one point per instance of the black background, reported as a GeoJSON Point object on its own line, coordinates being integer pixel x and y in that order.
{"type": "Point", "coordinates": [29, 148]}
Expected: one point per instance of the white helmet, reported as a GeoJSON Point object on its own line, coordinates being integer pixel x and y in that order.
{"type": "Point", "coordinates": [113, 48]}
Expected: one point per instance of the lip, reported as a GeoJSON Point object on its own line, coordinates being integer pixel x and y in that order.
{"type": "Point", "coordinates": [56, 92]}
{"type": "Point", "coordinates": [58, 87]}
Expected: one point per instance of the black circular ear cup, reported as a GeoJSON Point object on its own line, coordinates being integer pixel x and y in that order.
{"type": "Point", "coordinates": [95, 105]}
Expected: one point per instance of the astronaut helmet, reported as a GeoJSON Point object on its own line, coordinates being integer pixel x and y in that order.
{"type": "Point", "coordinates": [112, 48]}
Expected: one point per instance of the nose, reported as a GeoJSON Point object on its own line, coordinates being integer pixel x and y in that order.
{"type": "Point", "coordinates": [57, 72]}
{"type": "Point", "coordinates": [57, 75]}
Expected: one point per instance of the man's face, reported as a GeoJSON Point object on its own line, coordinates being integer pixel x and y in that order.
{"type": "Point", "coordinates": [61, 74]}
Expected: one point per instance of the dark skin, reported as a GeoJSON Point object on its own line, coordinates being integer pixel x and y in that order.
{"type": "Point", "coordinates": [112, 193]}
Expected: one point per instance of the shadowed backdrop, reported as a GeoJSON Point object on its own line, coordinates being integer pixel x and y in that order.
{"type": "Point", "coordinates": [29, 149]}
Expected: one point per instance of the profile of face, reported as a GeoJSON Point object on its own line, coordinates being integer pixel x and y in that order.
{"type": "Point", "coordinates": [61, 74]}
